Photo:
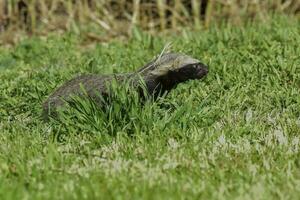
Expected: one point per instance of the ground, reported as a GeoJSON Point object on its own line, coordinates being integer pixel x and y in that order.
{"type": "Point", "coordinates": [233, 135]}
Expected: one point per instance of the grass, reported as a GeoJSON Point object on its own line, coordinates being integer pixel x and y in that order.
{"type": "Point", "coordinates": [233, 135]}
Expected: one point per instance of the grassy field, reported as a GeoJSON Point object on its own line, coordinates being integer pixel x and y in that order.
{"type": "Point", "coordinates": [233, 135]}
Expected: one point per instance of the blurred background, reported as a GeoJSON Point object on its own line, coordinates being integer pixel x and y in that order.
{"type": "Point", "coordinates": [104, 19]}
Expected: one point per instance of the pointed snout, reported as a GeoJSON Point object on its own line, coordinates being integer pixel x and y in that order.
{"type": "Point", "coordinates": [205, 68]}
{"type": "Point", "coordinates": [202, 70]}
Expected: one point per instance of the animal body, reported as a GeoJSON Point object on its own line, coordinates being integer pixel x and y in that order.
{"type": "Point", "coordinates": [159, 76]}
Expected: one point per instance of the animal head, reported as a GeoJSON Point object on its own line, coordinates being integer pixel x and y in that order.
{"type": "Point", "coordinates": [182, 66]}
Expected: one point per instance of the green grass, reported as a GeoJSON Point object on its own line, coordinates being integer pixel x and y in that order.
{"type": "Point", "coordinates": [233, 135]}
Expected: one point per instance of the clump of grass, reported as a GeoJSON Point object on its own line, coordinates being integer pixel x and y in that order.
{"type": "Point", "coordinates": [117, 112]}
{"type": "Point", "coordinates": [123, 111]}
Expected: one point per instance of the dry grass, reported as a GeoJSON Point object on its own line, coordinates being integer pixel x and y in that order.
{"type": "Point", "coordinates": [117, 17]}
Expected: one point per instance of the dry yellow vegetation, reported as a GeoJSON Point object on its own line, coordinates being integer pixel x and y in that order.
{"type": "Point", "coordinates": [117, 17]}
